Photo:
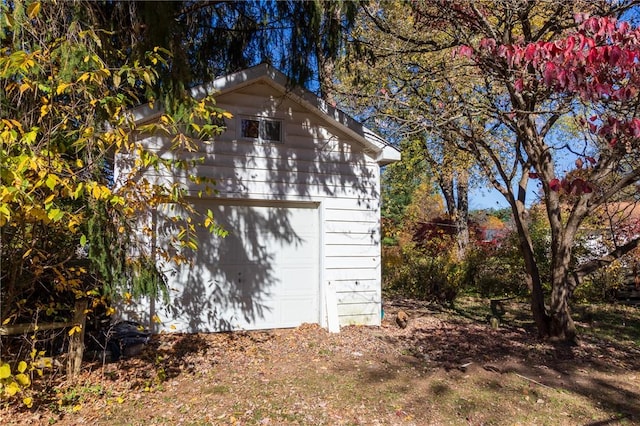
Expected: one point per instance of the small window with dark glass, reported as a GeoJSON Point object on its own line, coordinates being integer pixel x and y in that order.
{"type": "Point", "coordinates": [261, 129]}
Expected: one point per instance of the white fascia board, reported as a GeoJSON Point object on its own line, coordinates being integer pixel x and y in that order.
{"type": "Point", "coordinates": [145, 113]}
{"type": "Point", "coordinates": [239, 79]}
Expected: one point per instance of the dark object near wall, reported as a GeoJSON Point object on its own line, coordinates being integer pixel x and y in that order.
{"type": "Point", "coordinates": [121, 340]}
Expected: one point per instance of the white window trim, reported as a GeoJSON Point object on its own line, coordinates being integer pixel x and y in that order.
{"type": "Point", "coordinates": [260, 120]}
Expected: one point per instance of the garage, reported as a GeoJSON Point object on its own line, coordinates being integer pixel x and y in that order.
{"type": "Point", "coordinates": [297, 185]}
{"type": "Point", "coordinates": [263, 274]}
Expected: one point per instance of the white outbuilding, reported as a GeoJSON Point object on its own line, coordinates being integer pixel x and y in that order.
{"type": "Point", "coordinates": [298, 189]}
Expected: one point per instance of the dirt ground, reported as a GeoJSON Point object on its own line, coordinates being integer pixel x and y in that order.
{"type": "Point", "coordinates": [444, 368]}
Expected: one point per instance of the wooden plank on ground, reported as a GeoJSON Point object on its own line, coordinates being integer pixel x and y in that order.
{"type": "Point", "coordinates": [10, 330]}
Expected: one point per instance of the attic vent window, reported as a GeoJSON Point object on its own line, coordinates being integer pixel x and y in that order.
{"type": "Point", "coordinates": [261, 130]}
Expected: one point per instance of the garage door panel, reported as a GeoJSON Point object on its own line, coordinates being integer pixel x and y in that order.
{"type": "Point", "coordinates": [264, 274]}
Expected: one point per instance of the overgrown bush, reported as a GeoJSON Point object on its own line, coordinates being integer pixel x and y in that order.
{"type": "Point", "coordinates": [602, 285]}
{"type": "Point", "coordinates": [411, 272]}
{"type": "Point", "coordinates": [494, 271]}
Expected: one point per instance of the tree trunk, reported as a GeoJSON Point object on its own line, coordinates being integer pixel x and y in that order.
{"type": "Point", "coordinates": [462, 217]}
{"type": "Point", "coordinates": [447, 187]}
{"type": "Point", "coordinates": [76, 341]}
{"type": "Point", "coordinates": [538, 310]}
{"type": "Point", "coordinates": [532, 273]}
{"type": "Point", "coordinates": [562, 327]}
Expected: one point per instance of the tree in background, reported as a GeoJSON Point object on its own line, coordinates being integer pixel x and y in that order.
{"type": "Point", "coordinates": [211, 38]}
{"type": "Point", "coordinates": [505, 83]}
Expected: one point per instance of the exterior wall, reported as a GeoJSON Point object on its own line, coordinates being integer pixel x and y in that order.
{"type": "Point", "coordinates": [314, 163]}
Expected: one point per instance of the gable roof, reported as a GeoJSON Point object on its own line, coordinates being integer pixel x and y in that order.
{"type": "Point", "coordinates": [384, 153]}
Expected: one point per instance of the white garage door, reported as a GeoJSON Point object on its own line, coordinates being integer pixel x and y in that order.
{"type": "Point", "coordinates": [263, 274]}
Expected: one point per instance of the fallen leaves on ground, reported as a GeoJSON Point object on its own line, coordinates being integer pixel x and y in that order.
{"type": "Point", "coordinates": [442, 368]}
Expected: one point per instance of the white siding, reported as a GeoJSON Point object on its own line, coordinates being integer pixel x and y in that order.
{"type": "Point", "coordinates": [314, 163]}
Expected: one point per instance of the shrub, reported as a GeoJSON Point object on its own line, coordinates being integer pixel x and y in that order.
{"type": "Point", "coordinates": [494, 272]}
{"type": "Point", "coordinates": [411, 272]}
{"type": "Point", "coordinates": [602, 285]}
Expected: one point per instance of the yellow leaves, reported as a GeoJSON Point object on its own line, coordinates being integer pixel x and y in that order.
{"type": "Point", "coordinates": [52, 181]}
{"type": "Point", "coordinates": [22, 379]}
{"type": "Point", "coordinates": [55, 214]}
{"type": "Point", "coordinates": [5, 213]}
{"type": "Point", "coordinates": [5, 371]}
{"type": "Point", "coordinates": [62, 87]}
{"type": "Point", "coordinates": [165, 119]}
{"type": "Point", "coordinates": [45, 362]}
{"type": "Point", "coordinates": [101, 192]}
{"type": "Point", "coordinates": [33, 10]}
{"type": "Point", "coordinates": [77, 191]}
{"type": "Point", "coordinates": [22, 60]}
{"type": "Point", "coordinates": [25, 86]}
{"type": "Point", "coordinates": [30, 137]}
{"type": "Point", "coordinates": [75, 329]}
{"type": "Point", "coordinates": [7, 194]}
{"type": "Point", "coordinates": [94, 77]}
{"type": "Point", "coordinates": [88, 132]}
{"type": "Point", "coordinates": [44, 110]}
{"type": "Point", "coordinates": [11, 389]}
{"type": "Point", "coordinates": [110, 311]}
{"type": "Point", "coordinates": [147, 78]}
{"type": "Point", "coordinates": [28, 401]}
{"type": "Point", "coordinates": [95, 190]}
{"type": "Point", "coordinates": [13, 384]}
{"type": "Point", "coordinates": [72, 225]}
{"type": "Point", "coordinates": [208, 222]}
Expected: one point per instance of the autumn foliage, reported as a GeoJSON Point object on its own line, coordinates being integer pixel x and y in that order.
{"type": "Point", "coordinates": [600, 64]}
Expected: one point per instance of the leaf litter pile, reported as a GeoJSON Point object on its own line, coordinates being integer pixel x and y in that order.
{"type": "Point", "coordinates": [445, 367]}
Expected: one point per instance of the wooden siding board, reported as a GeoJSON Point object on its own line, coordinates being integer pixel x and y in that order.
{"type": "Point", "coordinates": [351, 239]}
{"type": "Point", "coordinates": [369, 308]}
{"type": "Point", "coordinates": [365, 274]}
{"type": "Point", "coordinates": [354, 215]}
{"type": "Point", "coordinates": [356, 227]}
{"type": "Point", "coordinates": [275, 154]}
{"type": "Point", "coordinates": [352, 262]}
{"type": "Point", "coordinates": [235, 186]}
{"type": "Point", "coordinates": [370, 319]}
{"type": "Point", "coordinates": [268, 102]}
{"type": "Point", "coordinates": [358, 297]}
{"type": "Point", "coordinates": [343, 250]}
{"type": "Point", "coordinates": [356, 285]}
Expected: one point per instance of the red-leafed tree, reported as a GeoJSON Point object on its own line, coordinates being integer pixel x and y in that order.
{"type": "Point", "coordinates": [524, 88]}
{"type": "Point", "coordinates": [597, 69]}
